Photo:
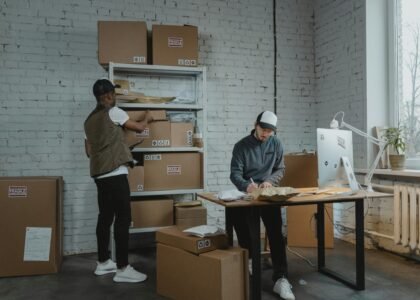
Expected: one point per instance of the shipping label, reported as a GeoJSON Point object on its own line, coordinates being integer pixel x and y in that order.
{"type": "Point", "coordinates": [175, 42]}
{"type": "Point", "coordinates": [139, 59]}
{"type": "Point", "coordinates": [144, 134]}
{"type": "Point", "coordinates": [161, 143]}
{"type": "Point", "coordinates": [153, 157]}
{"type": "Point", "coordinates": [140, 188]}
{"type": "Point", "coordinates": [189, 137]}
{"type": "Point", "coordinates": [202, 244]}
{"type": "Point", "coordinates": [173, 170]}
{"type": "Point", "coordinates": [17, 191]}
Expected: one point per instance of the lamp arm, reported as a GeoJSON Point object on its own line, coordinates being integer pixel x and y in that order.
{"type": "Point", "coordinates": [374, 140]}
{"type": "Point", "coordinates": [372, 167]}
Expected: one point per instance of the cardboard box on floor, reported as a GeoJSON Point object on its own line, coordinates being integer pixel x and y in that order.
{"type": "Point", "coordinates": [122, 42]}
{"type": "Point", "coordinates": [181, 134]}
{"type": "Point", "coordinates": [156, 134]}
{"type": "Point", "coordinates": [30, 225]}
{"type": "Point", "coordinates": [302, 171]}
{"type": "Point", "coordinates": [167, 171]}
{"type": "Point", "coordinates": [175, 45]}
{"type": "Point", "coordinates": [186, 217]}
{"type": "Point", "coordinates": [214, 275]}
{"type": "Point", "coordinates": [136, 179]}
{"type": "Point", "coordinates": [152, 213]}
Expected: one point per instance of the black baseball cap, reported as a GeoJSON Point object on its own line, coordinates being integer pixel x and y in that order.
{"type": "Point", "coordinates": [103, 86]}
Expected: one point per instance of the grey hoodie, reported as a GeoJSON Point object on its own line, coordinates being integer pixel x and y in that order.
{"type": "Point", "coordinates": [261, 161]}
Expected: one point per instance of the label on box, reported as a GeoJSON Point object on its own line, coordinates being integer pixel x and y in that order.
{"type": "Point", "coordinates": [153, 157]}
{"type": "Point", "coordinates": [186, 62]}
{"type": "Point", "coordinates": [37, 244]}
{"type": "Point", "coordinates": [139, 59]}
{"type": "Point", "coordinates": [17, 191]}
{"type": "Point", "coordinates": [139, 188]}
{"type": "Point", "coordinates": [144, 134]}
{"type": "Point", "coordinates": [202, 244]}
{"type": "Point", "coordinates": [175, 42]}
{"type": "Point", "coordinates": [161, 143]}
{"type": "Point", "coordinates": [189, 137]}
{"type": "Point", "coordinates": [173, 169]}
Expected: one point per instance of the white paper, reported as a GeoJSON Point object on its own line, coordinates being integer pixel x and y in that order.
{"type": "Point", "coordinates": [204, 230]}
{"type": "Point", "coordinates": [230, 195]}
{"type": "Point", "coordinates": [37, 244]}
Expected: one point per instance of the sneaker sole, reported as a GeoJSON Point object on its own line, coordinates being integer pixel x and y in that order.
{"type": "Point", "coordinates": [99, 273]}
{"type": "Point", "coordinates": [128, 280]}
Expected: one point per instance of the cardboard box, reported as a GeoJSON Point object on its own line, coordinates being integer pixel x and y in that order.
{"type": "Point", "coordinates": [181, 134]}
{"type": "Point", "coordinates": [30, 225]}
{"type": "Point", "coordinates": [214, 275]}
{"type": "Point", "coordinates": [136, 179]}
{"type": "Point", "coordinates": [152, 213]}
{"type": "Point", "coordinates": [156, 134]}
{"type": "Point", "coordinates": [301, 224]}
{"type": "Point", "coordinates": [186, 217]}
{"type": "Point", "coordinates": [167, 171]}
{"type": "Point", "coordinates": [122, 42]}
{"type": "Point", "coordinates": [175, 45]}
{"type": "Point", "coordinates": [173, 236]}
{"type": "Point", "coordinates": [138, 115]}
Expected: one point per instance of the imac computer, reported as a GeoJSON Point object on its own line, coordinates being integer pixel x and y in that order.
{"type": "Point", "coordinates": [335, 159]}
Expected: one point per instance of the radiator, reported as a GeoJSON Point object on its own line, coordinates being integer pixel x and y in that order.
{"type": "Point", "coordinates": [406, 216]}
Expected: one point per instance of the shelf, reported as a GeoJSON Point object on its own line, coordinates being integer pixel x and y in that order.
{"type": "Point", "coordinates": [161, 106]}
{"type": "Point", "coordinates": [156, 69]}
{"type": "Point", "coordinates": [167, 192]}
{"type": "Point", "coordinates": [168, 149]}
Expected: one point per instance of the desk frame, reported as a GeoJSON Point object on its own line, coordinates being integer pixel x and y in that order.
{"type": "Point", "coordinates": [358, 199]}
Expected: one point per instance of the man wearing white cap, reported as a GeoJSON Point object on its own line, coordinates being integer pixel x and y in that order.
{"type": "Point", "coordinates": [257, 162]}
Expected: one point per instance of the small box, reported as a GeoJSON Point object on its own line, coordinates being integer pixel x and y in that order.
{"type": "Point", "coordinates": [136, 179]}
{"type": "Point", "coordinates": [181, 134]}
{"type": "Point", "coordinates": [173, 236]}
{"type": "Point", "coordinates": [152, 213]}
{"type": "Point", "coordinates": [168, 171]}
{"type": "Point", "coordinates": [122, 42]}
{"type": "Point", "coordinates": [156, 134]}
{"type": "Point", "coordinates": [186, 217]}
{"type": "Point", "coordinates": [218, 274]}
{"type": "Point", "coordinates": [175, 45]}
{"type": "Point", "coordinates": [30, 225]}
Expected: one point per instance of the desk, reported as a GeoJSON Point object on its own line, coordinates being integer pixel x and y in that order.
{"type": "Point", "coordinates": [318, 199]}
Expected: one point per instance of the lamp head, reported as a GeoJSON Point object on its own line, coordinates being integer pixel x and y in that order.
{"type": "Point", "coordinates": [334, 124]}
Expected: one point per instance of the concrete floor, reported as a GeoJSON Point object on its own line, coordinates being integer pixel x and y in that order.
{"type": "Point", "coordinates": [387, 277]}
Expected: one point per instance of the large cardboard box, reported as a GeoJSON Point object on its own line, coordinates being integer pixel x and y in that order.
{"type": "Point", "coordinates": [181, 134]}
{"type": "Point", "coordinates": [122, 42]}
{"type": "Point", "coordinates": [214, 275]}
{"type": "Point", "coordinates": [175, 45]}
{"type": "Point", "coordinates": [30, 225]}
{"type": "Point", "coordinates": [302, 171]}
{"type": "Point", "coordinates": [152, 213]}
{"type": "Point", "coordinates": [173, 236]}
{"type": "Point", "coordinates": [156, 134]}
{"type": "Point", "coordinates": [190, 216]}
{"type": "Point", "coordinates": [167, 171]}
{"type": "Point", "coordinates": [136, 179]}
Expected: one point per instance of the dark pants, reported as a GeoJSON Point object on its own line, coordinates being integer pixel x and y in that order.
{"type": "Point", "coordinates": [271, 217]}
{"type": "Point", "coordinates": [113, 201]}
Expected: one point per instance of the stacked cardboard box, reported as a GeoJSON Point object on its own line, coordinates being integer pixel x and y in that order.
{"type": "Point", "coordinates": [30, 225]}
{"type": "Point", "coordinates": [190, 216]}
{"type": "Point", "coordinates": [197, 268]}
{"type": "Point", "coordinates": [152, 213]}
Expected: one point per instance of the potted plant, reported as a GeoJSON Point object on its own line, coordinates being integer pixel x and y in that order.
{"type": "Point", "coordinates": [394, 139]}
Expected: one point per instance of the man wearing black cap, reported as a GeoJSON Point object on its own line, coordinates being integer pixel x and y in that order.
{"type": "Point", "coordinates": [257, 162]}
{"type": "Point", "coordinates": [109, 157]}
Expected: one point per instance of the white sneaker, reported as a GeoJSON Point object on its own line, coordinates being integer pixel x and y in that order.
{"type": "Point", "coordinates": [284, 289]}
{"type": "Point", "coordinates": [128, 274]}
{"type": "Point", "coordinates": [106, 267]}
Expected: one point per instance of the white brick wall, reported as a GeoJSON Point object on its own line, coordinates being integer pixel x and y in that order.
{"type": "Point", "coordinates": [48, 58]}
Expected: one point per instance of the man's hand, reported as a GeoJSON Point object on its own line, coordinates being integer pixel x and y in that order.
{"type": "Point", "coordinates": [265, 184]}
{"type": "Point", "coordinates": [251, 187]}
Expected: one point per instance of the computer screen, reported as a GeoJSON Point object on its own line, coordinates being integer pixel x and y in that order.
{"type": "Point", "coordinates": [332, 144]}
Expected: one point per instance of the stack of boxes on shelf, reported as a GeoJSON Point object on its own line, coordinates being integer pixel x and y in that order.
{"type": "Point", "coordinates": [190, 267]}
{"type": "Point", "coordinates": [128, 42]}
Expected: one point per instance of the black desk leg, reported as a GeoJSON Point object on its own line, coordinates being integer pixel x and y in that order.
{"type": "Point", "coordinates": [320, 232]}
{"type": "Point", "coordinates": [229, 225]}
{"type": "Point", "coordinates": [360, 246]}
{"type": "Point", "coordinates": [254, 223]}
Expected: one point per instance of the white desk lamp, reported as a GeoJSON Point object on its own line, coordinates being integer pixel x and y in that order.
{"type": "Point", "coordinates": [377, 141]}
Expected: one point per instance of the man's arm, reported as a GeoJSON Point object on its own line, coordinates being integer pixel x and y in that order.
{"type": "Point", "coordinates": [237, 171]}
{"type": "Point", "coordinates": [87, 148]}
{"type": "Point", "coordinates": [278, 168]}
{"type": "Point", "coordinates": [138, 126]}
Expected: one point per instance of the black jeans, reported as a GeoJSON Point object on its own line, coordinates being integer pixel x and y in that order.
{"type": "Point", "coordinates": [271, 217]}
{"type": "Point", "coordinates": [113, 201]}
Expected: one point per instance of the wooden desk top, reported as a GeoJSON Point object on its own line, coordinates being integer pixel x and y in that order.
{"type": "Point", "coordinates": [302, 199]}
